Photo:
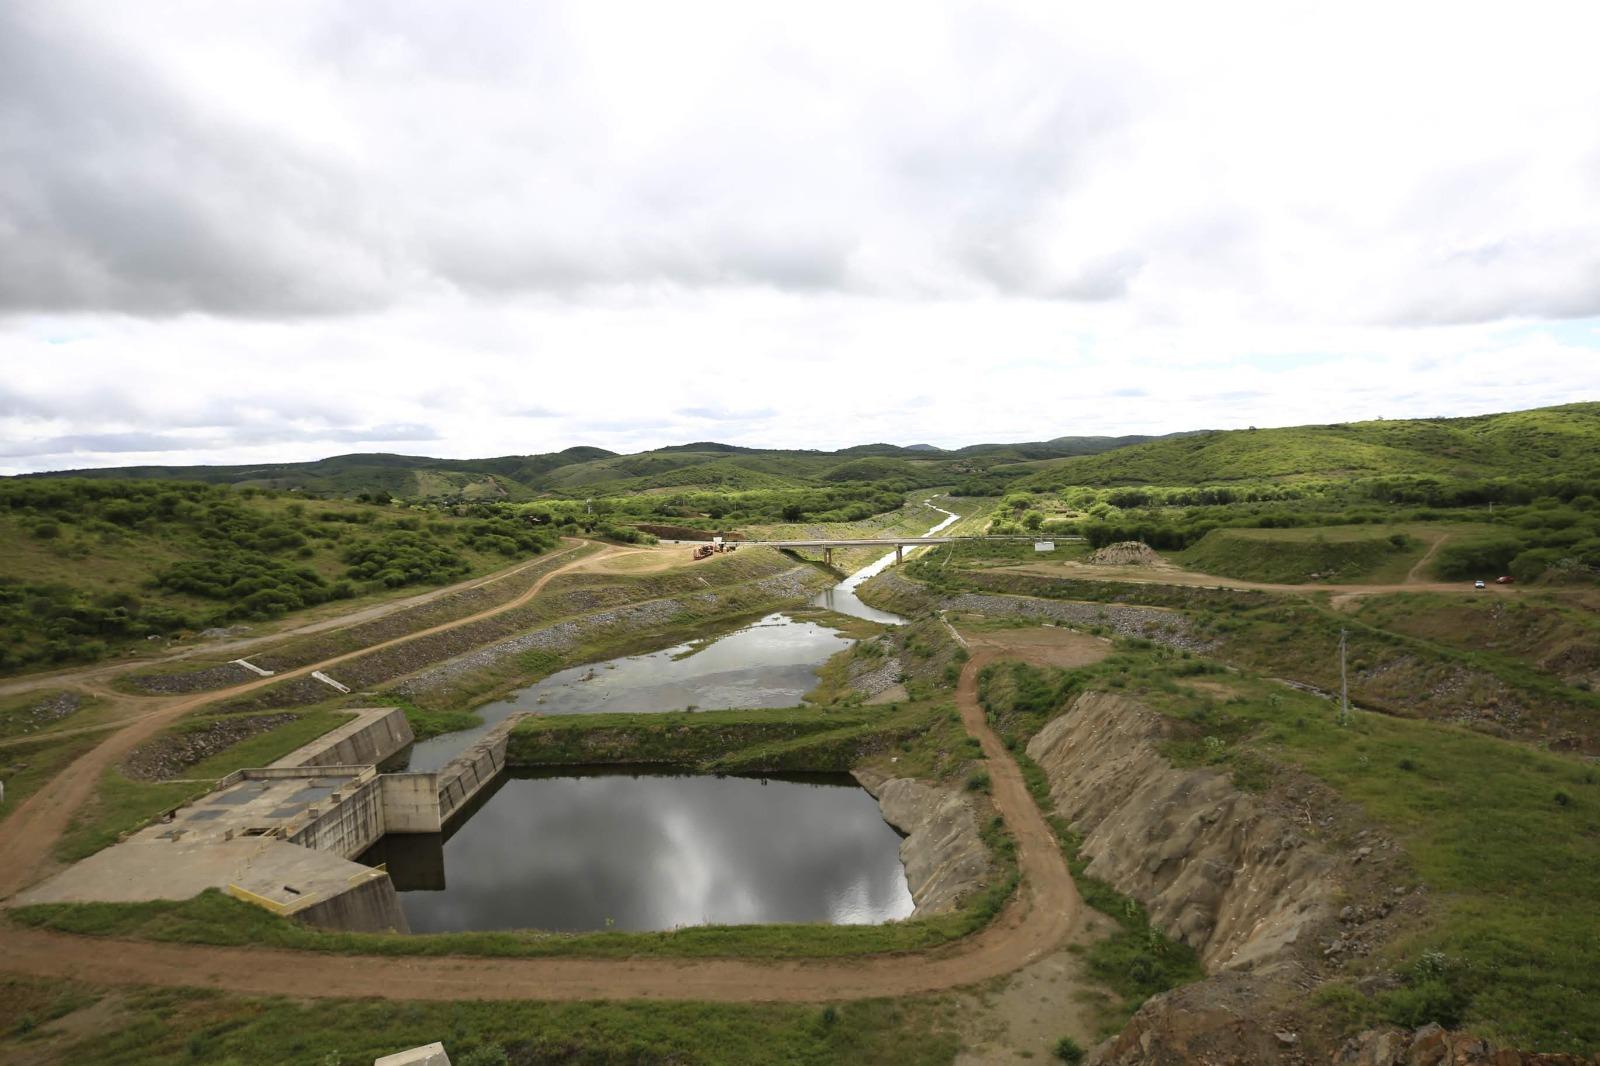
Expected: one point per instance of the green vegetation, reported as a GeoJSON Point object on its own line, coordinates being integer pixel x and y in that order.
{"type": "Point", "coordinates": [587, 473]}
{"type": "Point", "coordinates": [168, 1027]}
{"type": "Point", "coordinates": [27, 765]}
{"type": "Point", "coordinates": [1551, 440]}
{"type": "Point", "coordinates": [747, 739]}
{"type": "Point", "coordinates": [1514, 914]}
{"type": "Point", "coordinates": [1507, 684]}
{"type": "Point", "coordinates": [94, 566]}
{"type": "Point", "coordinates": [1339, 554]}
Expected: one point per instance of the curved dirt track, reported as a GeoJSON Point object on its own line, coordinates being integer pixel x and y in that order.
{"type": "Point", "coordinates": [80, 676]}
{"type": "Point", "coordinates": [1043, 913]}
{"type": "Point", "coordinates": [1167, 574]}
{"type": "Point", "coordinates": [27, 837]}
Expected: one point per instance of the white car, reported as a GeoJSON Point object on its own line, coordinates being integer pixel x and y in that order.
{"type": "Point", "coordinates": [1480, 584]}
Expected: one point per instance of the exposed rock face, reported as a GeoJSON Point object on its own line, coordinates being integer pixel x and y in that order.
{"type": "Point", "coordinates": [1212, 865]}
{"type": "Point", "coordinates": [1223, 1019]}
{"type": "Point", "coordinates": [944, 856]}
{"type": "Point", "coordinates": [1432, 1045]}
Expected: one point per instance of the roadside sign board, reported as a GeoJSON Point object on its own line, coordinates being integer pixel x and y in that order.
{"type": "Point", "coordinates": [1044, 545]}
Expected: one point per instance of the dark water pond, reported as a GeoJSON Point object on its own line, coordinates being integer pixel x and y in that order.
{"type": "Point", "coordinates": [624, 850]}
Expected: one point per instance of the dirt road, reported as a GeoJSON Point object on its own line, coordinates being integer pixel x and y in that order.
{"type": "Point", "coordinates": [29, 834]}
{"type": "Point", "coordinates": [79, 675]}
{"type": "Point", "coordinates": [1165, 573]}
{"type": "Point", "coordinates": [1038, 919]}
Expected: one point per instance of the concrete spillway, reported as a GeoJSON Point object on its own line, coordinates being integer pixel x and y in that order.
{"type": "Point", "coordinates": [282, 837]}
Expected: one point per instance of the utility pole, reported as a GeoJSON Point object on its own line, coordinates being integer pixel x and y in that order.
{"type": "Point", "coordinates": [1344, 684]}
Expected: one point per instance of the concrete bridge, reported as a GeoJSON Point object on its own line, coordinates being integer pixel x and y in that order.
{"type": "Point", "coordinates": [900, 544]}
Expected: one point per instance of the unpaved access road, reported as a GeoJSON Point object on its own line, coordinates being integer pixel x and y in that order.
{"type": "Point", "coordinates": [27, 837]}
{"type": "Point", "coordinates": [1039, 918]}
{"type": "Point", "coordinates": [79, 675]}
{"type": "Point", "coordinates": [1165, 573]}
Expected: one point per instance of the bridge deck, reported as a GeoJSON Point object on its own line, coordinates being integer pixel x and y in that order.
{"type": "Point", "coordinates": [890, 542]}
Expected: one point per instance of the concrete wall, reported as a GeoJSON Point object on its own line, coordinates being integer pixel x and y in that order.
{"type": "Point", "coordinates": [368, 906]}
{"type": "Point", "coordinates": [350, 826]}
{"type": "Point", "coordinates": [375, 734]}
{"type": "Point", "coordinates": [410, 803]}
{"type": "Point", "coordinates": [468, 773]}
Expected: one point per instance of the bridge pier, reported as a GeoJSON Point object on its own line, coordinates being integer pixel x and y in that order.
{"type": "Point", "coordinates": [899, 553]}
{"type": "Point", "coordinates": [827, 556]}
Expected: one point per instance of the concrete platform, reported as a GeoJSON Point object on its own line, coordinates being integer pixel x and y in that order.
{"type": "Point", "coordinates": [281, 837]}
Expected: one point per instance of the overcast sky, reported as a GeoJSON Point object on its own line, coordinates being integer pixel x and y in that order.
{"type": "Point", "coordinates": [249, 231]}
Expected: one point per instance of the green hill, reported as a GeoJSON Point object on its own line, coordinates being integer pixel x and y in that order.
{"type": "Point", "coordinates": [583, 471]}
{"type": "Point", "coordinates": [1549, 441]}
{"type": "Point", "coordinates": [91, 567]}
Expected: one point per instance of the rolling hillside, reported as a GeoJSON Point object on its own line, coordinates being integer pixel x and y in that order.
{"type": "Point", "coordinates": [586, 471]}
{"type": "Point", "coordinates": [1549, 441]}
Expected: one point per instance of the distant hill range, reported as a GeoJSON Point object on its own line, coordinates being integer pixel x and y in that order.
{"type": "Point", "coordinates": [1544, 441]}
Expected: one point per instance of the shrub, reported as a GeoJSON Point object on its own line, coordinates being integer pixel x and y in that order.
{"type": "Point", "coordinates": [978, 781]}
{"type": "Point", "coordinates": [1067, 1050]}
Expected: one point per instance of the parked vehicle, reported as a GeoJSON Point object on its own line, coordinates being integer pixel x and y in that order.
{"type": "Point", "coordinates": [1504, 579]}
{"type": "Point", "coordinates": [1480, 584]}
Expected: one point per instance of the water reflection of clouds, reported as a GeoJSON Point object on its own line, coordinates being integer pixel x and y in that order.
{"type": "Point", "coordinates": [657, 852]}
{"type": "Point", "coordinates": [769, 664]}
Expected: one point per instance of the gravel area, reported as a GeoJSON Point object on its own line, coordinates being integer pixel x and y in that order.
{"type": "Point", "coordinates": [878, 679]}
{"type": "Point", "coordinates": [47, 711]}
{"type": "Point", "coordinates": [224, 676]}
{"type": "Point", "coordinates": [169, 756]}
{"type": "Point", "coordinates": [558, 638]}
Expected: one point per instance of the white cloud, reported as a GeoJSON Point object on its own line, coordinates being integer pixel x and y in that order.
{"type": "Point", "coordinates": [251, 231]}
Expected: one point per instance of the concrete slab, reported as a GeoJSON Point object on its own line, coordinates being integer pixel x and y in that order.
{"type": "Point", "coordinates": [431, 1055]}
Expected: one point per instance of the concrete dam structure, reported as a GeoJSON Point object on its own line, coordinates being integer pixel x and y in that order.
{"type": "Point", "coordinates": [284, 837]}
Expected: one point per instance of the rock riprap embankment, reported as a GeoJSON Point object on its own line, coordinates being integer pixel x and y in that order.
{"type": "Point", "coordinates": [169, 756]}
{"type": "Point", "coordinates": [944, 856]}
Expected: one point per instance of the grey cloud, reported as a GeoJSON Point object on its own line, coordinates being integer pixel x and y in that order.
{"type": "Point", "coordinates": [117, 194]}
{"type": "Point", "coordinates": [179, 444]}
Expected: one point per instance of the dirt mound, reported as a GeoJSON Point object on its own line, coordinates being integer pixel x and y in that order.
{"type": "Point", "coordinates": [169, 756]}
{"type": "Point", "coordinates": [1125, 553]}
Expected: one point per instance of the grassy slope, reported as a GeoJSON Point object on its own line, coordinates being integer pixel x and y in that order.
{"type": "Point", "coordinates": [580, 471]}
{"type": "Point", "coordinates": [182, 1026]}
{"type": "Point", "coordinates": [1337, 553]}
{"type": "Point", "coordinates": [1546, 632]}
{"type": "Point", "coordinates": [1551, 440]}
{"type": "Point", "coordinates": [100, 561]}
{"type": "Point", "coordinates": [1513, 869]}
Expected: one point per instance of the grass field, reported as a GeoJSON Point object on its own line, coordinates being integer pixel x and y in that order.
{"type": "Point", "coordinates": [27, 765]}
{"type": "Point", "coordinates": [1338, 554]}
{"type": "Point", "coordinates": [1551, 440]}
{"type": "Point", "coordinates": [78, 1023]}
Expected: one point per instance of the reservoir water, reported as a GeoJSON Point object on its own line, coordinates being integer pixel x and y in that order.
{"type": "Point", "coordinates": [609, 849]}
{"type": "Point", "coordinates": [605, 849]}
{"type": "Point", "coordinates": [771, 663]}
